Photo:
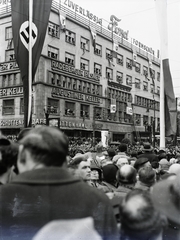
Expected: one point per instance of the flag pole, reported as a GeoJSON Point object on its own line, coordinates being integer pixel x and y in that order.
{"type": "Point", "coordinates": [162, 110]}
{"type": "Point", "coordinates": [30, 65]}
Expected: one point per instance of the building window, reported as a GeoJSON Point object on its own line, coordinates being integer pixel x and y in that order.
{"type": "Point", "coordinates": [128, 80]}
{"type": "Point", "coordinates": [53, 30]}
{"type": "Point", "coordinates": [97, 69]}
{"type": "Point", "coordinates": [145, 120]}
{"type": "Point", "coordinates": [145, 71]}
{"type": "Point", "coordinates": [119, 59]}
{"type": "Point", "coordinates": [8, 107]}
{"type": "Point", "coordinates": [98, 50]}
{"type": "Point", "coordinates": [84, 44]}
{"type": "Point", "coordinates": [97, 113]}
{"type": "Point", "coordinates": [70, 59]}
{"type": "Point", "coordinates": [158, 90]}
{"type": "Point", "coordinates": [8, 34]}
{"type": "Point", "coordinates": [119, 77]}
{"type": "Point", "coordinates": [84, 65]}
{"type": "Point", "coordinates": [138, 119]}
{"type": "Point", "coordinates": [21, 106]}
{"type": "Point", "coordinates": [109, 73]}
{"type": "Point", "coordinates": [10, 79]}
{"type": "Point", "coordinates": [84, 113]}
{"type": "Point", "coordinates": [128, 63]}
{"type": "Point", "coordinates": [52, 106]}
{"type": "Point", "coordinates": [109, 54]}
{"type": "Point", "coordinates": [137, 67]}
{"type": "Point", "coordinates": [70, 109]}
{"type": "Point", "coordinates": [152, 73]}
{"type": "Point", "coordinates": [53, 52]}
{"type": "Point", "coordinates": [70, 37]}
{"type": "Point", "coordinates": [145, 86]}
{"type": "Point", "coordinates": [158, 76]}
{"type": "Point", "coordinates": [152, 88]}
{"type": "Point", "coordinates": [137, 83]}
{"type": "Point", "coordinates": [9, 55]}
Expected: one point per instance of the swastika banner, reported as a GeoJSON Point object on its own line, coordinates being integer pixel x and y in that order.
{"type": "Point", "coordinates": [21, 36]}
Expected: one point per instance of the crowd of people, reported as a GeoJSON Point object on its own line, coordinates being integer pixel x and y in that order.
{"type": "Point", "coordinates": [119, 192]}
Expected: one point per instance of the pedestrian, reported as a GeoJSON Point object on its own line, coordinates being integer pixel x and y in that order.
{"type": "Point", "coordinates": [44, 190]}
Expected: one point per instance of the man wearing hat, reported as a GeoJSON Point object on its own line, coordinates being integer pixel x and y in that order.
{"type": "Point", "coordinates": [141, 162]}
{"type": "Point", "coordinates": [148, 152]}
{"type": "Point", "coordinates": [45, 191]}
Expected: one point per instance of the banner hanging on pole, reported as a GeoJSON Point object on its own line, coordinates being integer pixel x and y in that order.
{"type": "Point", "coordinates": [170, 111]}
{"type": "Point", "coordinates": [21, 38]}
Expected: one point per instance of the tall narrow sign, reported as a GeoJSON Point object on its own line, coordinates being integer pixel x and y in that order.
{"type": "Point", "coordinates": [24, 40]}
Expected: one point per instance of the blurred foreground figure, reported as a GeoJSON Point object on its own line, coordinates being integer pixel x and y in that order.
{"type": "Point", "coordinates": [78, 229]}
{"type": "Point", "coordinates": [45, 191]}
{"type": "Point", "coordinates": [166, 198]}
{"type": "Point", "coordinates": [8, 160]}
{"type": "Point", "coordinates": [139, 219]}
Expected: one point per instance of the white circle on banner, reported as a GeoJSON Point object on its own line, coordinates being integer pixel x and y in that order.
{"type": "Point", "coordinates": [113, 109]}
{"type": "Point", "coordinates": [24, 34]}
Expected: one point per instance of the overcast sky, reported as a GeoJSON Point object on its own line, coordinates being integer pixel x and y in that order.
{"type": "Point", "coordinates": [139, 17]}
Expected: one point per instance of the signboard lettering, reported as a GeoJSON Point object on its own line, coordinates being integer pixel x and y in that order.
{"type": "Point", "coordinates": [11, 91]}
{"type": "Point", "coordinates": [59, 66]}
{"type": "Point", "coordinates": [144, 47]}
{"type": "Point", "coordinates": [6, 66]}
{"type": "Point", "coordinates": [58, 92]}
{"type": "Point", "coordinates": [82, 11]}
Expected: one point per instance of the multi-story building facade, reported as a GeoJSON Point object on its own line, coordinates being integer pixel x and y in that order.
{"type": "Point", "coordinates": [84, 69]}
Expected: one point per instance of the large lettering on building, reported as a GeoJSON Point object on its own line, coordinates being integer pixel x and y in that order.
{"type": "Point", "coordinates": [58, 92]}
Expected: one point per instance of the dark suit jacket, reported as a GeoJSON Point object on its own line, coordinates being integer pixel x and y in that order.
{"type": "Point", "coordinates": [36, 197]}
{"type": "Point", "coordinates": [150, 155]}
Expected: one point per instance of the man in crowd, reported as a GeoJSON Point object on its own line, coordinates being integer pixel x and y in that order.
{"type": "Point", "coordinates": [139, 219]}
{"type": "Point", "coordinates": [126, 180]}
{"type": "Point", "coordinates": [44, 190]}
{"type": "Point", "coordinates": [147, 177]}
{"type": "Point", "coordinates": [166, 198]}
{"type": "Point", "coordinates": [8, 159]}
{"type": "Point", "coordinates": [148, 152]}
{"type": "Point", "coordinates": [122, 153]}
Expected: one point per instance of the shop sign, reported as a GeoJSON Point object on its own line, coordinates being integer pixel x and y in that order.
{"type": "Point", "coordinates": [113, 26]}
{"type": "Point", "coordinates": [82, 11]}
{"type": "Point", "coordinates": [7, 66]}
{"type": "Point", "coordinates": [11, 91]}
{"type": "Point", "coordinates": [58, 92]}
{"type": "Point", "coordinates": [81, 125]}
{"type": "Point", "coordinates": [59, 66]}
{"type": "Point", "coordinates": [20, 122]}
{"type": "Point", "coordinates": [144, 47]}
{"type": "Point", "coordinates": [5, 2]}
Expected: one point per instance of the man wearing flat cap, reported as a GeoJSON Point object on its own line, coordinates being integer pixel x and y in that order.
{"type": "Point", "coordinates": [45, 191]}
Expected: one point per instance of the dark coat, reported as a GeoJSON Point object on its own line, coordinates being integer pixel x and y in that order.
{"type": "Point", "coordinates": [36, 197]}
{"type": "Point", "coordinates": [152, 157]}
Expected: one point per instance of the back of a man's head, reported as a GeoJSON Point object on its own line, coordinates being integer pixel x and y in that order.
{"type": "Point", "coordinates": [47, 145]}
{"type": "Point", "coordinates": [147, 175]}
{"type": "Point", "coordinates": [139, 219]}
{"type": "Point", "coordinates": [122, 147]}
{"type": "Point", "coordinates": [127, 174]}
{"type": "Point", "coordinates": [8, 154]}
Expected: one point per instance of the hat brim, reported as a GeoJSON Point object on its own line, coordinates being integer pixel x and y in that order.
{"type": "Point", "coordinates": [148, 150]}
{"type": "Point", "coordinates": [163, 200]}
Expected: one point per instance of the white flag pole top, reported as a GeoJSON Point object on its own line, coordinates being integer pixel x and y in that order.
{"type": "Point", "coordinates": [30, 61]}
